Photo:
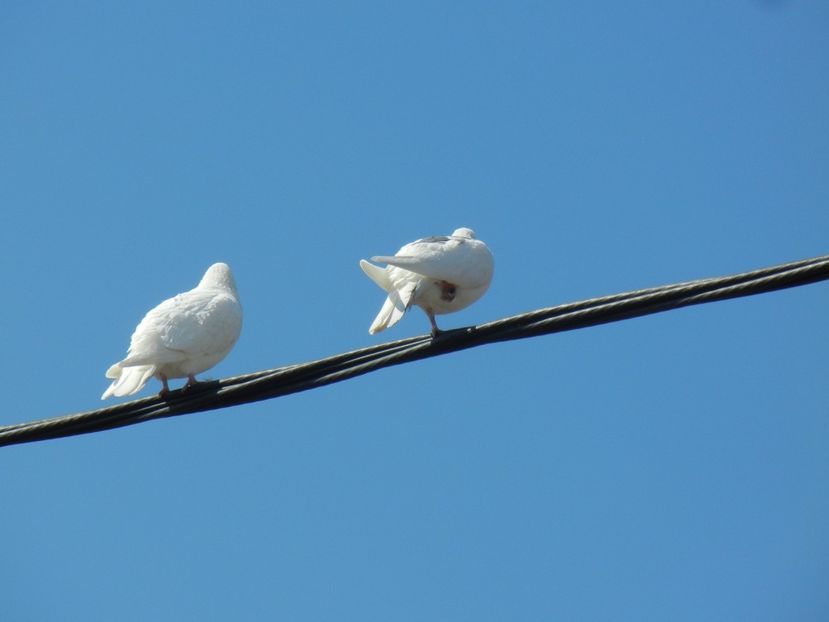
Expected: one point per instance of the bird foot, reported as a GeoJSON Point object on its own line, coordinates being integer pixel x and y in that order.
{"type": "Point", "coordinates": [165, 388]}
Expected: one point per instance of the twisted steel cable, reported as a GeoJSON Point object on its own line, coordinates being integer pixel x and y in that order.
{"type": "Point", "coordinates": [289, 379]}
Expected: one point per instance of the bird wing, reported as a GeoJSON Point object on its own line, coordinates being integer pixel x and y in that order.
{"type": "Point", "coordinates": [206, 322]}
{"type": "Point", "coordinates": [451, 259]}
{"type": "Point", "coordinates": [190, 324]}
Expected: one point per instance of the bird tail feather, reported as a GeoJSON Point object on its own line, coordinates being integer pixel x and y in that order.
{"type": "Point", "coordinates": [389, 316]}
{"type": "Point", "coordinates": [393, 309]}
{"type": "Point", "coordinates": [128, 380]}
{"type": "Point", "coordinates": [377, 274]}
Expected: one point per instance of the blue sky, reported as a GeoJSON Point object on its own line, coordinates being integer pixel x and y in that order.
{"type": "Point", "coordinates": [669, 467]}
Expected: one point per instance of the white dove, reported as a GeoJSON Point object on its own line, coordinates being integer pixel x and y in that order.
{"type": "Point", "coordinates": [183, 336]}
{"type": "Point", "coordinates": [440, 274]}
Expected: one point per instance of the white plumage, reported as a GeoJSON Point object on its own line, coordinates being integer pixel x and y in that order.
{"type": "Point", "coordinates": [439, 274]}
{"type": "Point", "coordinates": [183, 336]}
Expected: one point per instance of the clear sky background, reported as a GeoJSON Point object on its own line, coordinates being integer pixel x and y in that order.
{"type": "Point", "coordinates": [673, 467]}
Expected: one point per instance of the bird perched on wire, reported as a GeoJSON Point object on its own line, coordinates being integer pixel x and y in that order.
{"type": "Point", "coordinates": [183, 336]}
{"type": "Point", "coordinates": [441, 274]}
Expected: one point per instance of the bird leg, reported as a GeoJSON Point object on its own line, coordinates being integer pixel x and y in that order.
{"type": "Point", "coordinates": [435, 329]}
{"type": "Point", "coordinates": [447, 293]}
{"type": "Point", "coordinates": [165, 389]}
{"type": "Point", "coordinates": [191, 382]}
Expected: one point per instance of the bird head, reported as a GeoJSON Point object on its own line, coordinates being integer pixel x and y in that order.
{"type": "Point", "coordinates": [464, 232]}
{"type": "Point", "coordinates": [218, 276]}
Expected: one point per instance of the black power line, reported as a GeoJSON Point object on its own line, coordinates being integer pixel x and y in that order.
{"type": "Point", "coordinates": [273, 383]}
